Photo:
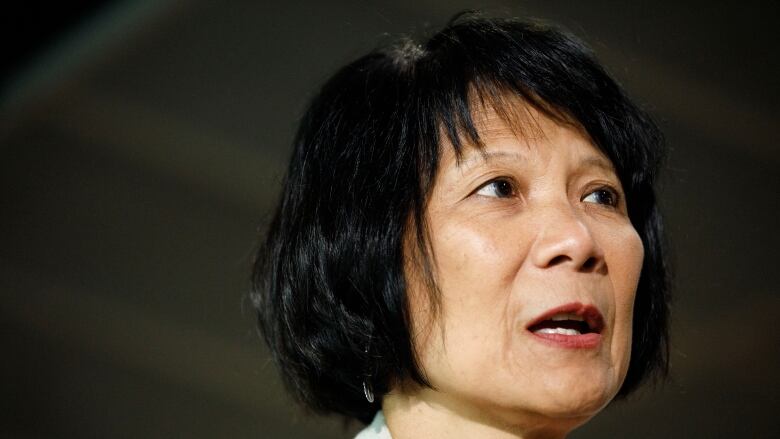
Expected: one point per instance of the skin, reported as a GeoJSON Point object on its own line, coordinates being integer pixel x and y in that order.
{"type": "Point", "coordinates": [536, 220]}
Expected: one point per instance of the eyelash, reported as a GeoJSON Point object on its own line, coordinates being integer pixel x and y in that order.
{"type": "Point", "coordinates": [612, 192]}
{"type": "Point", "coordinates": [501, 180]}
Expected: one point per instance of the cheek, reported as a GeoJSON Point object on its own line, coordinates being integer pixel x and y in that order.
{"type": "Point", "coordinates": [630, 256]}
{"type": "Point", "coordinates": [474, 271]}
{"type": "Point", "coordinates": [473, 255]}
{"type": "Point", "coordinates": [624, 274]}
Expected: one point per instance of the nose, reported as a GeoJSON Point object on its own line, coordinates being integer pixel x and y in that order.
{"type": "Point", "coordinates": [566, 240]}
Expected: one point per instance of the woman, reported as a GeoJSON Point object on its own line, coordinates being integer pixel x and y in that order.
{"type": "Point", "coordinates": [467, 243]}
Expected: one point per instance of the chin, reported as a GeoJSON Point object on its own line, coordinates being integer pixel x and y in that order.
{"type": "Point", "coordinates": [578, 395]}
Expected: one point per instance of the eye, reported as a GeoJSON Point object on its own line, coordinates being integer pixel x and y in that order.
{"type": "Point", "coordinates": [498, 188]}
{"type": "Point", "coordinates": [604, 195]}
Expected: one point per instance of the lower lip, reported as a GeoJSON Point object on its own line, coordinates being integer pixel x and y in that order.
{"type": "Point", "coordinates": [582, 341]}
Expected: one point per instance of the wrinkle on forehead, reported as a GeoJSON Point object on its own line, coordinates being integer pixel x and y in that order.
{"type": "Point", "coordinates": [521, 123]}
{"type": "Point", "coordinates": [506, 115]}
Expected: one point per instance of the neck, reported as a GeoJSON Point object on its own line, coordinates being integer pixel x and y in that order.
{"type": "Point", "coordinates": [430, 414]}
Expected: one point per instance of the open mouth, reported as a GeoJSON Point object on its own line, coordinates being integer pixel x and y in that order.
{"type": "Point", "coordinates": [564, 324]}
{"type": "Point", "coordinates": [573, 320]}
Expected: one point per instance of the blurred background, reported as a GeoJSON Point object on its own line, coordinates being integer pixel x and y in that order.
{"type": "Point", "coordinates": [141, 148]}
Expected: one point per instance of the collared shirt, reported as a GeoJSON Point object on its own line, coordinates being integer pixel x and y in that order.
{"type": "Point", "coordinates": [376, 430]}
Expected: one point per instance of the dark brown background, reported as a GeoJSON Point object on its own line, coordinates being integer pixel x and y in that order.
{"type": "Point", "coordinates": [142, 145]}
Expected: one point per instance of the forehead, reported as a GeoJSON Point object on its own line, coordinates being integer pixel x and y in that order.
{"type": "Point", "coordinates": [515, 130]}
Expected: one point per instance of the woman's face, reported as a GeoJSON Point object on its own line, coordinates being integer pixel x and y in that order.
{"type": "Point", "coordinates": [537, 264]}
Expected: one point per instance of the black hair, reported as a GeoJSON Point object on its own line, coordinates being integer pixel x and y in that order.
{"type": "Point", "coordinates": [329, 283]}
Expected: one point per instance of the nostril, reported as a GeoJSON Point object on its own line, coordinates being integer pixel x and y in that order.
{"type": "Point", "coordinates": [590, 264]}
{"type": "Point", "coordinates": [558, 260]}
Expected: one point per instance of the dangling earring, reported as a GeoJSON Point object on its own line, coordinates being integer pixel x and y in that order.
{"type": "Point", "coordinates": [368, 389]}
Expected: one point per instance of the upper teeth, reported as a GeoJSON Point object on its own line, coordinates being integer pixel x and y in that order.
{"type": "Point", "coordinates": [562, 331]}
{"type": "Point", "coordinates": [567, 316]}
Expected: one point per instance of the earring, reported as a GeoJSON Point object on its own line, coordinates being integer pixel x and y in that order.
{"type": "Point", "coordinates": [368, 391]}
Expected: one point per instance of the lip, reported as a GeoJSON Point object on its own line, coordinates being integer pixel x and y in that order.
{"type": "Point", "coordinates": [592, 317]}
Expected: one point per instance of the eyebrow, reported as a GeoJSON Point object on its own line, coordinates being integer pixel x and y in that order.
{"type": "Point", "coordinates": [598, 162]}
{"type": "Point", "coordinates": [487, 156]}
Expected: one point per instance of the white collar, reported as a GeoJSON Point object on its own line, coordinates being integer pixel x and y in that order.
{"type": "Point", "coordinates": [376, 430]}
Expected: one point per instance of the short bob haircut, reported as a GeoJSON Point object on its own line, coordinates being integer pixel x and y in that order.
{"type": "Point", "coordinates": [328, 281]}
